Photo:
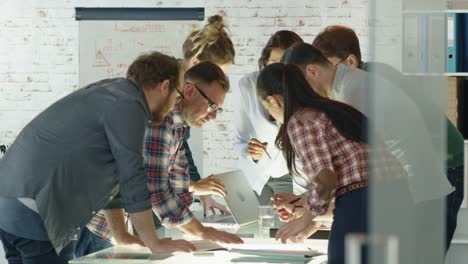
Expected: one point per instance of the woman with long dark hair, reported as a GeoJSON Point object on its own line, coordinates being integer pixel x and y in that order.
{"type": "Point", "coordinates": [328, 138]}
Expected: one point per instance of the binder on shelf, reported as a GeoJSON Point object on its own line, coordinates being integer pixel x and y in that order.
{"type": "Point", "coordinates": [452, 42]}
{"type": "Point", "coordinates": [423, 36]}
{"type": "Point", "coordinates": [462, 42]}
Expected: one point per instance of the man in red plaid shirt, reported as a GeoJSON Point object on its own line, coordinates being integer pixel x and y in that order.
{"type": "Point", "coordinates": [166, 165]}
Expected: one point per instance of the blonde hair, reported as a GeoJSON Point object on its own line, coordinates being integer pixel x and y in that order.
{"type": "Point", "coordinates": [211, 43]}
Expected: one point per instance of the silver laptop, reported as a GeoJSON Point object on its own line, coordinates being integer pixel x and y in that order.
{"type": "Point", "coordinates": [240, 199]}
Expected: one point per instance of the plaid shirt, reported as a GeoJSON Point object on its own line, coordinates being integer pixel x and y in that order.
{"type": "Point", "coordinates": [168, 172]}
{"type": "Point", "coordinates": [99, 226]}
{"type": "Point", "coordinates": [168, 175]}
{"type": "Point", "coordinates": [319, 145]}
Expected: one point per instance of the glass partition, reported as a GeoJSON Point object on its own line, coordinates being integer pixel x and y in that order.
{"type": "Point", "coordinates": [405, 91]}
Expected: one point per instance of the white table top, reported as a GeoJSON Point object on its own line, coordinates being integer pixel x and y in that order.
{"type": "Point", "coordinates": [254, 240]}
{"type": "Point", "coordinates": [137, 255]}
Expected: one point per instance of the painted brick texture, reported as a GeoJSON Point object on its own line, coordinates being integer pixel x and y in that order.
{"type": "Point", "coordinates": [39, 52]}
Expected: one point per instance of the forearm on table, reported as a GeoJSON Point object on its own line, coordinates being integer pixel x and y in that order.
{"type": "Point", "coordinates": [116, 220]}
{"type": "Point", "coordinates": [322, 213]}
{"type": "Point", "coordinates": [328, 216]}
{"type": "Point", "coordinates": [144, 224]}
{"type": "Point", "coordinates": [194, 228]}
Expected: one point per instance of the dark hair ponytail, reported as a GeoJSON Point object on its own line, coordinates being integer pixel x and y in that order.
{"type": "Point", "coordinates": [288, 81]}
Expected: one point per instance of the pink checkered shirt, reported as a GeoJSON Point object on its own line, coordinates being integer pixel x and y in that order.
{"type": "Point", "coordinates": [319, 145]}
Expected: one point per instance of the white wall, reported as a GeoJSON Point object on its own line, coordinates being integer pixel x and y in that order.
{"type": "Point", "coordinates": [39, 52]}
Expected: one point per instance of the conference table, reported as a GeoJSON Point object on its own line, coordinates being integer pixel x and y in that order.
{"type": "Point", "coordinates": [258, 247]}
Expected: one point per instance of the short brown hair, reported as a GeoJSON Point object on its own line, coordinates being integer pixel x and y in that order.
{"type": "Point", "coordinates": [302, 54]}
{"type": "Point", "coordinates": [152, 68]}
{"type": "Point", "coordinates": [282, 39]}
{"type": "Point", "coordinates": [207, 72]}
{"type": "Point", "coordinates": [338, 41]}
{"type": "Point", "coordinates": [211, 43]}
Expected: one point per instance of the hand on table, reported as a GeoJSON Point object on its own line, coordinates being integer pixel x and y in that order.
{"type": "Point", "coordinates": [167, 245]}
{"type": "Point", "coordinates": [298, 229]}
{"type": "Point", "coordinates": [214, 235]}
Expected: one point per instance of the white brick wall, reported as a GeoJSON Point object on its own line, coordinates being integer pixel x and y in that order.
{"type": "Point", "coordinates": [39, 52]}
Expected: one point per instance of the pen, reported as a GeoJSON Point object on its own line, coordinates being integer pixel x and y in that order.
{"type": "Point", "coordinates": [266, 152]}
{"type": "Point", "coordinates": [294, 200]}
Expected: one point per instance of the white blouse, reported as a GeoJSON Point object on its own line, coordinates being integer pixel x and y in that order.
{"type": "Point", "coordinates": [251, 121]}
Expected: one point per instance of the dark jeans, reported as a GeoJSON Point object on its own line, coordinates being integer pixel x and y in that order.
{"type": "Point", "coordinates": [20, 250]}
{"type": "Point", "coordinates": [350, 216]}
{"type": "Point", "coordinates": [453, 202]}
{"type": "Point", "coordinates": [88, 243]}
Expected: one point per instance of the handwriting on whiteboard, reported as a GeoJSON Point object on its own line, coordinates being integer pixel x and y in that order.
{"type": "Point", "coordinates": [148, 27]}
{"type": "Point", "coordinates": [107, 48]}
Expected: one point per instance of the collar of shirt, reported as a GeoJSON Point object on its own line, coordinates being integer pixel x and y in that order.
{"type": "Point", "coordinates": [143, 97]}
{"type": "Point", "coordinates": [337, 87]}
{"type": "Point", "coordinates": [177, 119]}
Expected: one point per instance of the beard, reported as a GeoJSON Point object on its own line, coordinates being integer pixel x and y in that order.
{"type": "Point", "coordinates": [158, 118]}
{"type": "Point", "coordinates": [197, 123]}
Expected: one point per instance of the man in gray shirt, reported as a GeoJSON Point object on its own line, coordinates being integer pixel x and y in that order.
{"type": "Point", "coordinates": [74, 157]}
{"type": "Point", "coordinates": [412, 202]}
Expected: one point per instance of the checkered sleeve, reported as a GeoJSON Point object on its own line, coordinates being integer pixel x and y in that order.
{"type": "Point", "coordinates": [309, 140]}
{"type": "Point", "coordinates": [170, 202]}
{"type": "Point", "coordinates": [99, 226]}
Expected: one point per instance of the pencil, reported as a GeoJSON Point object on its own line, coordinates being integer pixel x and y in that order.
{"type": "Point", "coordinates": [266, 152]}
{"type": "Point", "coordinates": [294, 200]}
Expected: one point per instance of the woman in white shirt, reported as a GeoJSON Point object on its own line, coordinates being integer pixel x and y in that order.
{"type": "Point", "coordinates": [261, 161]}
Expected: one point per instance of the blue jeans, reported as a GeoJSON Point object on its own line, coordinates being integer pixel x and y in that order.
{"type": "Point", "coordinates": [453, 202]}
{"type": "Point", "coordinates": [88, 243]}
{"type": "Point", "coordinates": [350, 216]}
{"type": "Point", "coordinates": [20, 250]}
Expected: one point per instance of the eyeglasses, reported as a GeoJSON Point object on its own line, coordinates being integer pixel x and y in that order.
{"type": "Point", "coordinates": [341, 60]}
{"type": "Point", "coordinates": [212, 106]}
{"type": "Point", "coordinates": [179, 98]}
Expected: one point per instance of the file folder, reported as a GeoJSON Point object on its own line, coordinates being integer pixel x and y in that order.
{"type": "Point", "coordinates": [462, 42]}
{"type": "Point", "coordinates": [452, 42]}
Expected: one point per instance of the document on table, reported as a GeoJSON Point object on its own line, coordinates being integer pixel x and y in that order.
{"type": "Point", "coordinates": [279, 253]}
{"type": "Point", "coordinates": [204, 245]}
{"type": "Point", "coordinates": [259, 250]}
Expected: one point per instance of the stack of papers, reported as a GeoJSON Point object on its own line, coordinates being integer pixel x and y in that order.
{"type": "Point", "coordinates": [279, 253]}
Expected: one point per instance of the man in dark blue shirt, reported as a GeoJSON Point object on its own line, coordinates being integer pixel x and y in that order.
{"type": "Point", "coordinates": [74, 157]}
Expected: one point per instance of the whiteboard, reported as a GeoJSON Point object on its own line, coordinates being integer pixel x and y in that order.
{"type": "Point", "coordinates": [107, 48]}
